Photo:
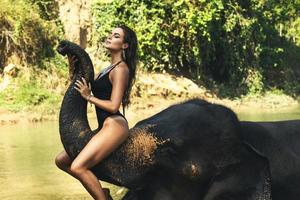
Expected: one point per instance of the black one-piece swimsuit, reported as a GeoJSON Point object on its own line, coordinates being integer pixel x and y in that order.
{"type": "Point", "coordinates": [102, 88]}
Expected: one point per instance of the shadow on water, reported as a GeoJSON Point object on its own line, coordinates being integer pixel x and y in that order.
{"type": "Point", "coordinates": [27, 169]}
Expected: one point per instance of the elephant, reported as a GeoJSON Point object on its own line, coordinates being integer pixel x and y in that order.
{"type": "Point", "coordinates": [279, 143]}
{"type": "Point", "coordinates": [189, 151]}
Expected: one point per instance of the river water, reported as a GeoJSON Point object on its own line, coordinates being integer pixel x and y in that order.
{"type": "Point", "coordinates": [27, 152]}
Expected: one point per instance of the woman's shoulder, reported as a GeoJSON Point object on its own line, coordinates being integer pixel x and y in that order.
{"type": "Point", "coordinates": [119, 71]}
{"type": "Point", "coordinates": [122, 67]}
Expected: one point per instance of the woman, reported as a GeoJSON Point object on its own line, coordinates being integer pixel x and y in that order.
{"type": "Point", "coordinates": [111, 87]}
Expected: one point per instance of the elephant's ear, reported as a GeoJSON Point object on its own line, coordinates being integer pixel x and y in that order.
{"type": "Point", "coordinates": [256, 150]}
{"type": "Point", "coordinates": [167, 155]}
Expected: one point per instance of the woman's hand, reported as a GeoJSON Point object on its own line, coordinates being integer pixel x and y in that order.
{"type": "Point", "coordinates": [83, 88]}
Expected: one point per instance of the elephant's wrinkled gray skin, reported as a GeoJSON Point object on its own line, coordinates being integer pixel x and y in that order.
{"type": "Point", "coordinates": [279, 142]}
{"type": "Point", "coordinates": [190, 150]}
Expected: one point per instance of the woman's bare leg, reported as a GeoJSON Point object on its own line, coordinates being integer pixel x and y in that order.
{"type": "Point", "coordinates": [113, 133]}
{"type": "Point", "coordinates": [63, 162]}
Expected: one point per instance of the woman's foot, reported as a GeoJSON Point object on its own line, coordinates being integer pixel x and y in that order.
{"type": "Point", "coordinates": [107, 194]}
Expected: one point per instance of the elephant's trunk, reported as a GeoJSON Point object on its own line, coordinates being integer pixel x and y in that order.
{"type": "Point", "coordinates": [74, 128]}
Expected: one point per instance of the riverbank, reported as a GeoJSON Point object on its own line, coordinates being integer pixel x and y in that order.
{"type": "Point", "coordinates": [153, 92]}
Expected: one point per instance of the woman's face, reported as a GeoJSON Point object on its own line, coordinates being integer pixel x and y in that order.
{"type": "Point", "coordinates": [114, 41]}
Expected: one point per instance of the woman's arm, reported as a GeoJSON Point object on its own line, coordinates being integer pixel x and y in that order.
{"type": "Point", "coordinates": [120, 77]}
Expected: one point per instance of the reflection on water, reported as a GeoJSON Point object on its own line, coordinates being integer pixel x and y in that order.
{"type": "Point", "coordinates": [27, 164]}
{"type": "Point", "coordinates": [27, 169]}
{"type": "Point", "coordinates": [27, 152]}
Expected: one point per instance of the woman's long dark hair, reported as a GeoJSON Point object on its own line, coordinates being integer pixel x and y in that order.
{"type": "Point", "coordinates": [131, 61]}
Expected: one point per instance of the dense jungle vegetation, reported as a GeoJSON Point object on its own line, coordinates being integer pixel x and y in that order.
{"type": "Point", "coordinates": [232, 47]}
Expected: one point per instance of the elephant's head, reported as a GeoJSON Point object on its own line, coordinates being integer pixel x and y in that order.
{"type": "Point", "coordinates": [83, 67]}
{"type": "Point", "coordinates": [63, 47]}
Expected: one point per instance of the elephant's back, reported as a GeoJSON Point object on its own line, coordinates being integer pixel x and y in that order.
{"type": "Point", "coordinates": [190, 117]}
{"type": "Point", "coordinates": [287, 133]}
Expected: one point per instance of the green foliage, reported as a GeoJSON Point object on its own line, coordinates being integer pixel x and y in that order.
{"type": "Point", "coordinates": [33, 90]}
{"type": "Point", "coordinates": [254, 81]}
{"type": "Point", "coordinates": [31, 94]}
{"type": "Point", "coordinates": [48, 9]}
{"type": "Point", "coordinates": [291, 29]}
{"type": "Point", "coordinates": [26, 95]}
{"type": "Point", "coordinates": [167, 32]}
{"type": "Point", "coordinates": [238, 43]}
{"type": "Point", "coordinates": [24, 33]}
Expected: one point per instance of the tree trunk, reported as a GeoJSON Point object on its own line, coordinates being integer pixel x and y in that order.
{"type": "Point", "coordinates": [76, 19]}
